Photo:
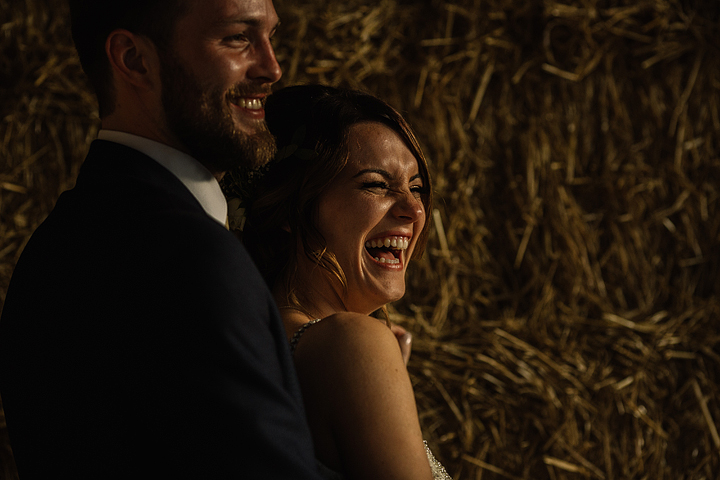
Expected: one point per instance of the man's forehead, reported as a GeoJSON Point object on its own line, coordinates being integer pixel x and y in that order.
{"type": "Point", "coordinates": [222, 12]}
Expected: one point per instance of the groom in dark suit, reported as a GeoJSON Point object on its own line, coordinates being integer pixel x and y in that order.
{"type": "Point", "coordinates": [137, 338]}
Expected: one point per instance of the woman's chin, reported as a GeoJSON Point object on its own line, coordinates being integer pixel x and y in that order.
{"type": "Point", "coordinates": [371, 303]}
{"type": "Point", "coordinates": [390, 296]}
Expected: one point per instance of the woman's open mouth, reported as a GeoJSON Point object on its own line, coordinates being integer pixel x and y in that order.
{"type": "Point", "coordinates": [387, 250]}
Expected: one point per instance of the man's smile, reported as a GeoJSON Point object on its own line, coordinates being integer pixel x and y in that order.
{"type": "Point", "coordinates": [249, 103]}
{"type": "Point", "coordinates": [254, 106]}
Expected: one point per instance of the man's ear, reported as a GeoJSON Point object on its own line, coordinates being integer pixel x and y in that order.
{"type": "Point", "coordinates": [133, 58]}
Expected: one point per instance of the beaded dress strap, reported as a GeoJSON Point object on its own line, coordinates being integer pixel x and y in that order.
{"type": "Point", "coordinates": [296, 336]}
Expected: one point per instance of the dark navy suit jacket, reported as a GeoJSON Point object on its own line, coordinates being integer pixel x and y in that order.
{"type": "Point", "coordinates": [138, 339]}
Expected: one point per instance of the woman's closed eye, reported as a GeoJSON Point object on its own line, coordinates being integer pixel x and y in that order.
{"type": "Point", "coordinates": [418, 190]}
{"type": "Point", "coordinates": [381, 186]}
{"type": "Point", "coordinates": [375, 185]}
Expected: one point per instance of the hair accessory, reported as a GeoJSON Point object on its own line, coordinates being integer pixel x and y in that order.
{"type": "Point", "coordinates": [293, 149]}
{"type": "Point", "coordinates": [239, 184]}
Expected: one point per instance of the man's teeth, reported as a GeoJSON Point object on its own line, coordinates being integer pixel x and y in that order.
{"type": "Point", "coordinates": [250, 103]}
{"type": "Point", "coordinates": [399, 243]}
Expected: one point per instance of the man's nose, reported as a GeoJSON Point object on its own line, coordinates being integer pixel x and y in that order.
{"type": "Point", "coordinates": [266, 66]}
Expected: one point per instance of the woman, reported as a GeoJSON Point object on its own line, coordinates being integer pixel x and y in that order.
{"type": "Point", "coordinates": [332, 225]}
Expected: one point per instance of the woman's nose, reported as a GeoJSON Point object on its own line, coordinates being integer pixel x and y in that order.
{"type": "Point", "coordinates": [409, 207]}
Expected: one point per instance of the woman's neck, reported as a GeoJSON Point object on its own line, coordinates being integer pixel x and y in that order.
{"type": "Point", "coordinates": [310, 292]}
{"type": "Point", "coordinates": [305, 304]}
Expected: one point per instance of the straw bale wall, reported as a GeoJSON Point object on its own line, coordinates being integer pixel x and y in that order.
{"type": "Point", "coordinates": [566, 312]}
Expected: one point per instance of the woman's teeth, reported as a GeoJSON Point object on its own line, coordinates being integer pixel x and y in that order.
{"type": "Point", "coordinates": [393, 261]}
{"type": "Point", "coordinates": [399, 243]}
{"type": "Point", "coordinates": [388, 244]}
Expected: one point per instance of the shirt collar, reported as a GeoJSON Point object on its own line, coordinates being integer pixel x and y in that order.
{"type": "Point", "coordinates": [193, 174]}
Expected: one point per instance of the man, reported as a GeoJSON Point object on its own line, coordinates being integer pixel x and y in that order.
{"type": "Point", "coordinates": [137, 339]}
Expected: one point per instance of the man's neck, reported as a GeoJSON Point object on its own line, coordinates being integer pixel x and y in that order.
{"type": "Point", "coordinates": [147, 129]}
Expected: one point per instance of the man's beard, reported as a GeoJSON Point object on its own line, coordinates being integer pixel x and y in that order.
{"type": "Point", "coordinates": [201, 120]}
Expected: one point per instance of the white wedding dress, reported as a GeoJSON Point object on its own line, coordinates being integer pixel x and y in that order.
{"type": "Point", "coordinates": [438, 471]}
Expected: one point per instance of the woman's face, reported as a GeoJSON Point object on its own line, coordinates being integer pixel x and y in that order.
{"type": "Point", "coordinates": [372, 214]}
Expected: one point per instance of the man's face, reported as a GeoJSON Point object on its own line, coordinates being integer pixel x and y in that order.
{"type": "Point", "coordinates": [216, 78]}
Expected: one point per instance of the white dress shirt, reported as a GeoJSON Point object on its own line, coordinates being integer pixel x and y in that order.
{"type": "Point", "coordinates": [193, 174]}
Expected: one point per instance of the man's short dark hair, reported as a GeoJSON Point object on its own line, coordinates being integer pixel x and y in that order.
{"type": "Point", "coordinates": [92, 22]}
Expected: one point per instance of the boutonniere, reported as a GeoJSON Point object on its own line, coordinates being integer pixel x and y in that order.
{"type": "Point", "coordinates": [236, 214]}
{"type": "Point", "coordinates": [238, 186]}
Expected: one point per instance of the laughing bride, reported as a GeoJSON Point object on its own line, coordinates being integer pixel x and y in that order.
{"type": "Point", "coordinates": [332, 225]}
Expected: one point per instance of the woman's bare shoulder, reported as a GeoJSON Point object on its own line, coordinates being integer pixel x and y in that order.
{"type": "Point", "coordinates": [345, 335]}
{"type": "Point", "coordinates": [349, 357]}
{"type": "Point", "coordinates": [358, 392]}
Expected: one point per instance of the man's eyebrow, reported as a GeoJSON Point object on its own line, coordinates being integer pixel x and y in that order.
{"type": "Point", "coordinates": [253, 22]}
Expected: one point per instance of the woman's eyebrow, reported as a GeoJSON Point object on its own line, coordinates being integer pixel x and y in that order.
{"type": "Point", "coordinates": [379, 171]}
{"type": "Point", "coordinates": [384, 173]}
